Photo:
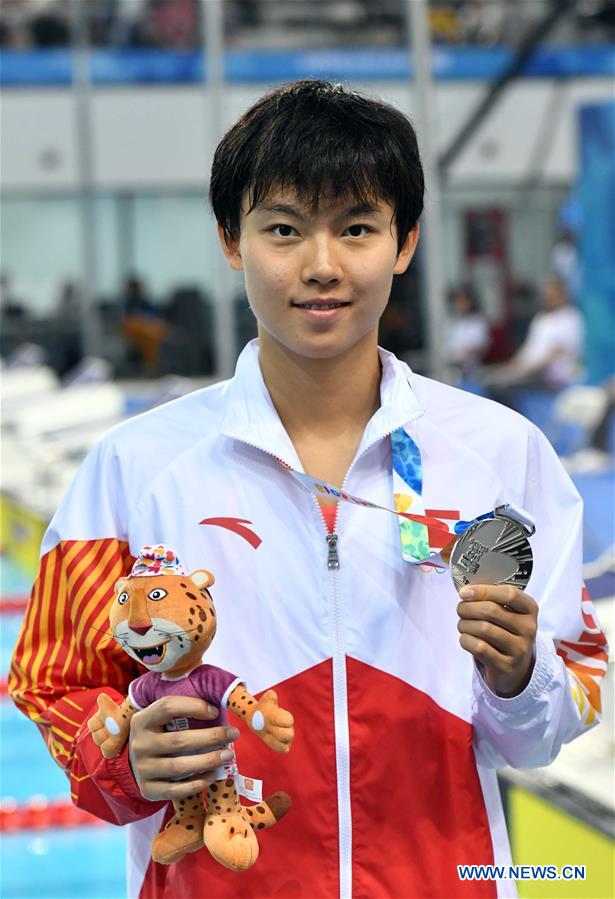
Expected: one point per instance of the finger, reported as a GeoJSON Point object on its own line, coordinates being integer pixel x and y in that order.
{"type": "Point", "coordinates": [495, 636]}
{"type": "Point", "coordinates": [485, 653]}
{"type": "Point", "coordinates": [490, 611]}
{"type": "Point", "coordinates": [162, 711]}
{"type": "Point", "coordinates": [99, 738]}
{"type": "Point", "coordinates": [280, 718]}
{"type": "Point", "coordinates": [94, 724]}
{"type": "Point", "coordinates": [164, 768]}
{"type": "Point", "coordinates": [160, 790]}
{"type": "Point", "coordinates": [168, 743]}
{"type": "Point", "coordinates": [277, 745]}
{"type": "Point", "coordinates": [106, 705]}
{"type": "Point", "coordinates": [269, 697]}
{"type": "Point", "coordinates": [502, 594]}
{"type": "Point", "coordinates": [283, 736]}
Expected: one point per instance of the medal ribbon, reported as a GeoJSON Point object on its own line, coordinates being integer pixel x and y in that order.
{"type": "Point", "coordinates": [407, 494]}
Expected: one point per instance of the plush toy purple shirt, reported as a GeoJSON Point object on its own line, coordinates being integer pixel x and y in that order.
{"type": "Point", "coordinates": [205, 682]}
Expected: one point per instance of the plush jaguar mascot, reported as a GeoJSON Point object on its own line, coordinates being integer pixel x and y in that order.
{"type": "Point", "coordinates": [165, 619]}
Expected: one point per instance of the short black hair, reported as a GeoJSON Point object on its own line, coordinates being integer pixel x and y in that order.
{"type": "Point", "coordinates": [318, 139]}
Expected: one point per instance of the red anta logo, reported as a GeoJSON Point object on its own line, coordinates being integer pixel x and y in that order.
{"type": "Point", "coordinates": [238, 526]}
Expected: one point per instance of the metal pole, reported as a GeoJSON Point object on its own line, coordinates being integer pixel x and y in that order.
{"type": "Point", "coordinates": [224, 313]}
{"type": "Point", "coordinates": [82, 96]}
{"type": "Point", "coordinates": [527, 45]}
{"type": "Point", "coordinates": [419, 44]}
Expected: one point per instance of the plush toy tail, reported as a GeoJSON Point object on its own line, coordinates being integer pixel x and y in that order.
{"type": "Point", "coordinates": [269, 812]}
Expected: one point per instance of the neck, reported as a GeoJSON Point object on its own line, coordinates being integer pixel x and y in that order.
{"type": "Point", "coordinates": [322, 395]}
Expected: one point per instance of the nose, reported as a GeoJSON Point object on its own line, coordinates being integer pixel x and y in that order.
{"type": "Point", "coordinates": [140, 627]}
{"type": "Point", "coordinates": [321, 265]}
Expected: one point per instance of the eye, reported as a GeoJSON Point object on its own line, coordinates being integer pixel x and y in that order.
{"type": "Point", "coordinates": [283, 231]}
{"type": "Point", "coordinates": [356, 230]}
{"type": "Point", "coordinates": [122, 598]}
{"type": "Point", "coordinates": [156, 594]}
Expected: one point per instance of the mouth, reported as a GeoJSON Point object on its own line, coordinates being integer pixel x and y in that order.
{"type": "Point", "coordinates": [321, 305]}
{"type": "Point", "coordinates": [322, 311]}
{"type": "Point", "coordinates": [150, 655]}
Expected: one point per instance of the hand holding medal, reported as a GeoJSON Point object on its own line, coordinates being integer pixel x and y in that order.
{"type": "Point", "coordinates": [491, 564]}
{"type": "Point", "coordinates": [498, 625]}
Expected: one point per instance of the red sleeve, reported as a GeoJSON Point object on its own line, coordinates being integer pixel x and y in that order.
{"type": "Point", "coordinates": [65, 656]}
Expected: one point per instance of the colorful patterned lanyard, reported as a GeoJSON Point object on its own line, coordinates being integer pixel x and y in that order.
{"type": "Point", "coordinates": [407, 495]}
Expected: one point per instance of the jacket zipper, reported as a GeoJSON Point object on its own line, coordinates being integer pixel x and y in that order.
{"type": "Point", "coordinates": [340, 699]}
{"type": "Point", "coordinates": [340, 712]}
{"type": "Point", "coordinates": [340, 692]}
{"type": "Point", "coordinates": [333, 559]}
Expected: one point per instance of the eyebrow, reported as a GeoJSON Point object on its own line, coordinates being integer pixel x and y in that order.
{"type": "Point", "coordinates": [282, 209]}
{"type": "Point", "coordinates": [297, 212]}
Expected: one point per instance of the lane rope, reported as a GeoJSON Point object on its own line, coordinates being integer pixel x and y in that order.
{"type": "Point", "coordinates": [40, 813]}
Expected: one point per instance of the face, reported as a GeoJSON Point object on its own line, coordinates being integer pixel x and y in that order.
{"type": "Point", "coordinates": [318, 281]}
{"type": "Point", "coordinates": [164, 622]}
{"type": "Point", "coordinates": [462, 303]}
{"type": "Point", "coordinates": [552, 294]}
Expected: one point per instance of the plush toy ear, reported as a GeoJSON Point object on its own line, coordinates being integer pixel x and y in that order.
{"type": "Point", "coordinates": [121, 584]}
{"type": "Point", "coordinates": [202, 578]}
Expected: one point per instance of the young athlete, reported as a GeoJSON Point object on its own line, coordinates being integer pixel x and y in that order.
{"type": "Point", "coordinates": [405, 697]}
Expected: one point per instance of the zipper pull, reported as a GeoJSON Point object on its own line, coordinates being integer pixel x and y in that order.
{"type": "Point", "coordinates": [333, 560]}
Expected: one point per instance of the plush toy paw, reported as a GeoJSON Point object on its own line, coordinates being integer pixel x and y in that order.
{"type": "Point", "coordinates": [273, 724]}
{"type": "Point", "coordinates": [182, 834]}
{"type": "Point", "coordinates": [109, 727]}
{"type": "Point", "coordinates": [231, 840]}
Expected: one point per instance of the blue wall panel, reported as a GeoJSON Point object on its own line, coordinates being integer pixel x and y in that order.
{"type": "Point", "coordinates": [597, 198]}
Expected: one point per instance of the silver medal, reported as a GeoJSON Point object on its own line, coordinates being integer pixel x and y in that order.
{"type": "Point", "coordinates": [495, 551]}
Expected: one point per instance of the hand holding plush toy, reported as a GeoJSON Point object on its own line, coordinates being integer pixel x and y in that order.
{"type": "Point", "coordinates": [166, 620]}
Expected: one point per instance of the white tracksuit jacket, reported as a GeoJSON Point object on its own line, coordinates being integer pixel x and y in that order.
{"type": "Point", "coordinates": [392, 772]}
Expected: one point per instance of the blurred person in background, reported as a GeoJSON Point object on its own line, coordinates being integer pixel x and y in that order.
{"type": "Point", "coordinates": [14, 33]}
{"type": "Point", "coordinates": [444, 22]}
{"type": "Point", "coordinates": [467, 331]}
{"type": "Point", "coordinates": [483, 20]}
{"type": "Point", "coordinates": [50, 26]}
{"type": "Point", "coordinates": [143, 326]}
{"type": "Point", "coordinates": [122, 23]}
{"type": "Point", "coordinates": [549, 359]}
{"type": "Point", "coordinates": [15, 322]}
{"type": "Point", "coordinates": [187, 347]}
{"type": "Point", "coordinates": [10, 305]}
{"type": "Point", "coordinates": [565, 262]}
{"type": "Point", "coordinates": [69, 302]}
{"type": "Point", "coordinates": [66, 343]}
{"type": "Point", "coordinates": [174, 24]}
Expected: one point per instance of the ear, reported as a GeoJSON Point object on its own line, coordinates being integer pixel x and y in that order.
{"type": "Point", "coordinates": [121, 584]}
{"type": "Point", "coordinates": [230, 248]}
{"type": "Point", "coordinates": [407, 251]}
{"type": "Point", "coordinates": [202, 578]}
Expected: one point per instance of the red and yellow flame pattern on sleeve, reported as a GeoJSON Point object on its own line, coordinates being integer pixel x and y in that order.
{"type": "Point", "coordinates": [586, 661]}
{"type": "Point", "coordinates": [65, 654]}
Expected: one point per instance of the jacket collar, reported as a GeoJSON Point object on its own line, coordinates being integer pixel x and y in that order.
{"type": "Point", "coordinates": [251, 416]}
